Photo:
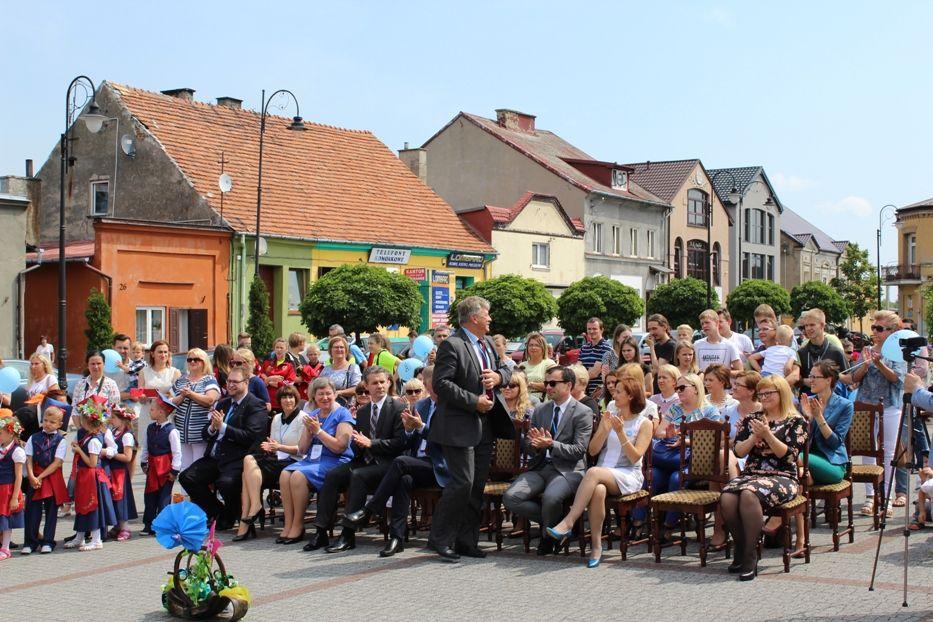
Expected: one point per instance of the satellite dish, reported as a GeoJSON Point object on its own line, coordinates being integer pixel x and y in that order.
{"type": "Point", "coordinates": [263, 246]}
{"type": "Point", "coordinates": [226, 183]}
{"type": "Point", "coordinates": [128, 145]}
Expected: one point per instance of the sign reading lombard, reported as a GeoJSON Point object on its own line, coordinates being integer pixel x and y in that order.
{"type": "Point", "coordinates": [464, 260]}
{"type": "Point", "coordinates": [389, 255]}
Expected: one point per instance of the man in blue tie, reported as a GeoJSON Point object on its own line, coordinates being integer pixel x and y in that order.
{"type": "Point", "coordinates": [237, 427]}
{"type": "Point", "coordinates": [422, 466]}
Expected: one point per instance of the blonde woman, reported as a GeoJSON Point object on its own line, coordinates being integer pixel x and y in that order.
{"type": "Point", "coordinates": [668, 375]}
{"type": "Point", "coordinates": [158, 375]}
{"type": "Point", "coordinates": [685, 333]}
{"type": "Point", "coordinates": [517, 400]}
{"type": "Point", "coordinates": [685, 358]}
{"type": "Point", "coordinates": [412, 391]}
{"type": "Point", "coordinates": [770, 441]}
{"type": "Point", "coordinates": [536, 363]}
{"type": "Point", "coordinates": [41, 380]}
{"type": "Point", "coordinates": [637, 371]}
{"type": "Point", "coordinates": [343, 374]}
{"type": "Point", "coordinates": [195, 393]}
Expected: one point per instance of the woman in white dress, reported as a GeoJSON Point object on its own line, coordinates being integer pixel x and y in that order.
{"type": "Point", "coordinates": [158, 375]}
{"type": "Point", "coordinates": [620, 440]}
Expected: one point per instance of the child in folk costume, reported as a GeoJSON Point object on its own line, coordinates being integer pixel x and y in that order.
{"type": "Point", "coordinates": [45, 453]}
{"type": "Point", "coordinates": [161, 460]}
{"type": "Point", "coordinates": [92, 500]}
{"type": "Point", "coordinates": [121, 471]}
{"type": "Point", "coordinates": [12, 458]}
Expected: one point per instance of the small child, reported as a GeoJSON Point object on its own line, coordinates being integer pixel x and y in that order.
{"type": "Point", "coordinates": [45, 454]}
{"type": "Point", "coordinates": [925, 494]}
{"type": "Point", "coordinates": [121, 471]}
{"type": "Point", "coordinates": [92, 500]}
{"type": "Point", "coordinates": [12, 458]}
{"type": "Point", "coordinates": [136, 365]}
{"type": "Point", "coordinates": [778, 359]}
{"type": "Point", "coordinates": [161, 460]}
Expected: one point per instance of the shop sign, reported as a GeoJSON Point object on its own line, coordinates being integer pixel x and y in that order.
{"type": "Point", "coordinates": [389, 255]}
{"type": "Point", "coordinates": [417, 274]}
{"type": "Point", "coordinates": [464, 260]}
{"type": "Point", "coordinates": [440, 278]}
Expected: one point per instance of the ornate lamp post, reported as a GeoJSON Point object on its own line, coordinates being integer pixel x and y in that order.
{"type": "Point", "coordinates": [881, 218]}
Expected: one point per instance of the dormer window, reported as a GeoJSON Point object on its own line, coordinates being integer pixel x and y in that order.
{"type": "Point", "coordinates": [619, 179]}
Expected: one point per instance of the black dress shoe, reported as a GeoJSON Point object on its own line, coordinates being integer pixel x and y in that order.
{"type": "Point", "coordinates": [470, 551]}
{"type": "Point", "coordinates": [447, 554]}
{"type": "Point", "coordinates": [545, 546]}
{"type": "Point", "coordinates": [320, 540]}
{"type": "Point", "coordinates": [345, 542]}
{"type": "Point", "coordinates": [735, 567]}
{"type": "Point", "coordinates": [393, 546]}
{"type": "Point", "coordinates": [358, 519]}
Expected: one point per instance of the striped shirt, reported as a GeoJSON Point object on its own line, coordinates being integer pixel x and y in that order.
{"type": "Point", "coordinates": [191, 417]}
{"type": "Point", "coordinates": [590, 354]}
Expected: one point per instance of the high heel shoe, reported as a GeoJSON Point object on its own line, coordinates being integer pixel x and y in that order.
{"type": "Point", "coordinates": [248, 534]}
{"type": "Point", "coordinates": [560, 536]}
{"type": "Point", "coordinates": [593, 563]}
{"type": "Point", "coordinates": [748, 576]}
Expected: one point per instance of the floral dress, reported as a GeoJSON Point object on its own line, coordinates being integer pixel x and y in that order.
{"type": "Point", "coordinates": [772, 479]}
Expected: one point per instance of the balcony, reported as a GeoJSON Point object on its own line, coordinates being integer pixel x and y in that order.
{"type": "Point", "coordinates": [903, 274]}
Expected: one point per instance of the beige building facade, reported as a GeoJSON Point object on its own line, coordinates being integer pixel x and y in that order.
{"type": "Point", "coordinates": [913, 272]}
{"type": "Point", "coordinates": [807, 252]}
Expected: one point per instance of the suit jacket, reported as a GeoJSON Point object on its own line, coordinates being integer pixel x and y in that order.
{"type": "Point", "coordinates": [458, 383]}
{"type": "Point", "coordinates": [389, 438]}
{"type": "Point", "coordinates": [433, 451]}
{"type": "Point", "coordinates": [568, 453]}
{"type": "Point", "coordinates": [246, 429]}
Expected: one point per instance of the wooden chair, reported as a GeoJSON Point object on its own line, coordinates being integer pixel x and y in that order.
{"type": "Point", "coordinates": [797, 506]}
{"type": "Point", "coordinates": [624, 505]}
{"type": "Point", "coordinates": [864, 441]}
{"type": "Point", "coordinates": [832, 496]}
{"type": "Point", "coordinates": [506, 464]}
{"type": "Point", "coordinates": [708, 466]}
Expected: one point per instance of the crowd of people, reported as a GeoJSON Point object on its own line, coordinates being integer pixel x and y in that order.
{"type": "Point", "coordinates": [229, 428]}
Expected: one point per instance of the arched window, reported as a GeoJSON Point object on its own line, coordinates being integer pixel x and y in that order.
{"type": "Point", "coordinates": [697, 257]}
{"type": "Point", "coordinates": [678, 266]}
{"type": "Point", "coordinates": [715, 260]}
{"type": "Point", "coordinates": [696, 207]}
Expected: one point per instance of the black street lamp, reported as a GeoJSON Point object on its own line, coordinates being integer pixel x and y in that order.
{"type": "Point", "coordinates": [878, 247]}
{"type": "Point", "coordinates": [94, 121]}
{"type": "Point", "coordinates": [296, 124]}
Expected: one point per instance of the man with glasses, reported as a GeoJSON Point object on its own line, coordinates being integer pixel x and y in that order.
{"type": "Point", "coordinates": [237, 426]}
{"type": "Point", "coordinates": [470, 412]}
{"type": "Point", "coordinates": [817, 348]}
{"type": "Point", "coordinates": [556, 444]}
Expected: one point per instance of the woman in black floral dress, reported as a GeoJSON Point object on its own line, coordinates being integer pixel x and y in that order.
{"type": "Point", "coordinates": [772, 440]}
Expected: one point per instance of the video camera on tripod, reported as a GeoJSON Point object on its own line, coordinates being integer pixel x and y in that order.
{"type": "Point", "coordinates": [910, 346]}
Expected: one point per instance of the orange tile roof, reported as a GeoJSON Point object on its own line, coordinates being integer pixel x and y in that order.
{"type": "Point", "coordinates": [324, 184]}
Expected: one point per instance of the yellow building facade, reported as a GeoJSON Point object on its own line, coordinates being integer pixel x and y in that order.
{"type": "Point", "coordinates": [913, 272]}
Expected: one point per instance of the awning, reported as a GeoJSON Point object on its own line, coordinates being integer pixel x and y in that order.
{"type": "Point", "coordinates": [74, 251]}
{"type": "Point", "coordinates": [660, 269]}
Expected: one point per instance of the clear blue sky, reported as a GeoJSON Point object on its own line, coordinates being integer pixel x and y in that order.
{"type": "Point", "coordinates": [833, 98]}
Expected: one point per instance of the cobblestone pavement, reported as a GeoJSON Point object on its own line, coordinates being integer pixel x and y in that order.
{"type": "Point", "coordinates": [123, 581]}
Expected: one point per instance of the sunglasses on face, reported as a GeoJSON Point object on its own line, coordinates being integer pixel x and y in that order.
{"type": "Point", "coordinates": [235, 363]}
{"type": "Point", "coordinates": [511, 385]}
{"type": "Point", "coordinates": [193, 360]}
{"type": "Point", "coordinates": [412, 391]}
{"type": "Point", "coordinates": [554, 383]}
{"type": "Point", "coordinates": [879, 329]}
{"type": "Point", "coordinates": [682, 387]}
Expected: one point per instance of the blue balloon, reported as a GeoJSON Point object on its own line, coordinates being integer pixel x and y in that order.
{"type": "Point", "coordinates": [408, 367]}
{"type": "Point", "coordinates": [422, 347]}
{"type": "Point", "coordinates": [9, 380]}
{"type": "Point", "coordinates": [891, 348]}
{"type": "Point", "coordinates": [112, 358]}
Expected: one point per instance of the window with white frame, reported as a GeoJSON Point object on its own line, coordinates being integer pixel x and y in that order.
{"type": "Point", "coordinates": [297, 288]}
{"type": "Point", "coordinates": [150, 324]}
{"type": "Point", "coordinates": [540, 255]}
{"type": "Point", "coordinates": [100, 198]}
{"type": "Point", "coordinates": [616, 240]}
{"type": "Point", "coordinates": [633, 241]}
{"type": "Point", "coordinates": [596, 235]}
{"type": "Point", "coordinates": [652, 251]}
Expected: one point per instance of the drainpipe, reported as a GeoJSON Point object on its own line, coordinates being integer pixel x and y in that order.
{"type": "Point", "coordinates": [242, 314]}
{"type": "Point", "coordinates": [21, 307]}
{"type": "Point", "coordinates": [105, 276]}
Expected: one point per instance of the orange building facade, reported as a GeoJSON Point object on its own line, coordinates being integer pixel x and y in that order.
{"type": "Point", "coordinates": [162, 282]}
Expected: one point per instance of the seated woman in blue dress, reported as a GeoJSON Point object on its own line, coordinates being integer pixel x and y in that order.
{"type": "Point", "coordinates": [325, 443]}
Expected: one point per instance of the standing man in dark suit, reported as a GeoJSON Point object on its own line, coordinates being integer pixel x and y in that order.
{"type": "Point", "coordinates": [557, 442]}
{"type": "Point", "coordinates": [237, 427]}
{"type": "Point", "coordinates": [378, 438]}
{"type": "Point", "coordinates": [416, 468]}
{"type": "Point", "coordinates": [470, 412]}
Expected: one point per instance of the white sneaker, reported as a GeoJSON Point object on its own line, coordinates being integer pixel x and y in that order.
{"type": "Point", "coordinates": [75, 542]}
{"type": "Point", "coordinates": [45, 549]}
{"type": "Point", "coordinates": [25, 551]}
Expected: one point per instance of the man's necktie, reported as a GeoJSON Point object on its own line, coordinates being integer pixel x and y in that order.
{"type": "Point", "coordinates": [373, 420]}
{"type": "Point", "coordinates": [554, 421]}
{"type": "Point", "coordinates": [485, 362]}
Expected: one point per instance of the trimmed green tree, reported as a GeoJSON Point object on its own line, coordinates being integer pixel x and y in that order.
{"type": "Point", "coordinates": [681, 301]}
{"type": "Point", "coordinates": [817, 295]}
{"type": "Point", "coordinates": [857, 282]}
{"type": "Point", "coordinates": [598, 296]}
{"type": "Point", "coordinates": [361, 298]}
{"type": "Point", "coordinates": [99, 331]}
{"type": "Point", "coordinates": [743, 300]}
{"type": "Point", "coordinates": [518, 305]}
{"type": "Point", "coordinates": [260, 326]}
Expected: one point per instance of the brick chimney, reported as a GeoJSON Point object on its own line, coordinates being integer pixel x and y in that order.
{"type": "Point", "coordinates": [230, 102]}
{"type": "Point", "coordinates": [515, 120]}
{"type": "Point", "coordinates": [417, 160]}
{"type": "Point", "coordinates": [184, 94]}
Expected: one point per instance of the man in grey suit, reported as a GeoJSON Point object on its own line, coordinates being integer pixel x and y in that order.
{"type": "Point", "coordinates": [470, 412]}
{"type": "Point", "coordinates": [556, 442]}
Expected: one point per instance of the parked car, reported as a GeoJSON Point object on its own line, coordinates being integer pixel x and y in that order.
{"type": "Point", "coordinates": [22, 367]}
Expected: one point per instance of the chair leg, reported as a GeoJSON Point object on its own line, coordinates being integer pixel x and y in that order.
{"type": "Point", "coordinates": [806, 541]}
{"type": "Point", "coordinates": [834, 520]}
{"type": "Point", "coordinates": [701, 536]}
{"type": "Point", "coordinates": [851, 527]}
{"type": "Point", "coordinates": [656, 533]}
{"type": "Point", "coordinates": [623, 534]}
{"type": "Point", "coordinates": [683, 535]}
{"type": "Point", "coordinates": [785, 528]}
{"type": "Point", "coordinates": [813, 516]}
{"type": "Point", "coordinates": [526, 537]}
{"type": "Point", "coordinates": [499, 519]}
